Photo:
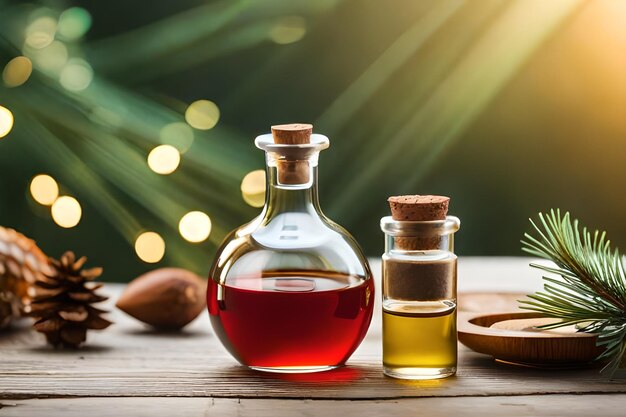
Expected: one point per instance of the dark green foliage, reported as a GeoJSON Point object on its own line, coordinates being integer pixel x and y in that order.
{"type": "Point", "coordinates": [591, 292]}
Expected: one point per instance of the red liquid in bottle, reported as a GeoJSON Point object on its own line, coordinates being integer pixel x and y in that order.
{"type": "Point", "coordinates": [291, 319]}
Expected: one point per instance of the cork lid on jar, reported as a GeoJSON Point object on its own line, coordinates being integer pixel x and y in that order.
{"type": "Point", "coordinates": [418, 208]}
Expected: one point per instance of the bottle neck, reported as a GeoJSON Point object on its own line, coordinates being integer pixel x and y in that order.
{"type": "Point", "coordinates": [292, 196]}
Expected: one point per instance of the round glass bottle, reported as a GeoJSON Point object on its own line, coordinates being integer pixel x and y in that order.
{"type": "Point", "coordinates": [291, 291]}
{"type": "Point", "coordinates": [419, 298]}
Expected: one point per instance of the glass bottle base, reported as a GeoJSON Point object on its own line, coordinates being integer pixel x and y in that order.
{"type": "Point", "coordinates": [294, 369]}
{"type": "Point", "coordinates": [419, 373]}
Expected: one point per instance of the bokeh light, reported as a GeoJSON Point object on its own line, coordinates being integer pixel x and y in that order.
{"type": "Point", "coordinates": [44, 189]}
{"type": "Point", "coordinates": [40, 32]}
{"type": "Point", "coordinates": [66, 211]}
{"type": "Point", "coordinates": [77, 75]}
{"type": "Point", "coordinates": [202, 114]}
{"type": "Point", "coordinates": [17, 71]}
{"type": "Point", "coordinates": [195, 226]}
{"type": "Point", "coordinates": [6, 121]}
{"type": "Point", "coordinates": [289, 29]}
{"type": "Point", "coordinates": [52, 58]}
{"type": "Point", "coordinates": [164, 159]}
{"type": "Point", "coordinates": [177, 134]}
{"type": "Point", "coordinates": [150, 247]}
{"type": "Point", "coordinates": [74, 23]}
{"type": "Point", "coordinates": [253, 188]}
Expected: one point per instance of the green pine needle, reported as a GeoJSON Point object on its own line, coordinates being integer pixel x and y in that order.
{"type": "Point", "coordinates": [591, 291]}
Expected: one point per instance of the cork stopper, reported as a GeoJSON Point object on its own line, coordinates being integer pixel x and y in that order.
{"type": "Point", "coordinates": [293, 171]}
{"type": "Point", "coordinates": [292, 134]}
{"type": "Point", "coordinates": [418, 208]}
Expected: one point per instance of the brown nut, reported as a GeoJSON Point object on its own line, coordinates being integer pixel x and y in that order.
{"type": "Point", "coordinates": [166, 298]}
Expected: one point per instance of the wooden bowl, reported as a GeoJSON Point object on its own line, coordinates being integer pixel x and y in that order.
{"type": "Point", "coordinates": [518, 342]}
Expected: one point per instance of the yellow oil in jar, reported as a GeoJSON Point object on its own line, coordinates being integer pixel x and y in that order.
{"type": "Point", "coordinates": [419, 339]}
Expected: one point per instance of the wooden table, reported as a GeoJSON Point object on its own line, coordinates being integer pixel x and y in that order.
{"type": "Point", "coordinates": [131, 370]}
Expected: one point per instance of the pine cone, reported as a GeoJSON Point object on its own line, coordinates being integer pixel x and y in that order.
{"type": "Point", "coordinates": [63, 302]}
{"type": "Point", "coordinates": [21, 264]}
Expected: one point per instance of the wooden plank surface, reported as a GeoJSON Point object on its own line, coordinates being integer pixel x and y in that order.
{"type": "Point", "coordinates": [129, 360]}
{"type": "Point", "coordinates": [546, 405]}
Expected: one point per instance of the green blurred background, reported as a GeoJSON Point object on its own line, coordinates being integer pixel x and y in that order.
{"type": "Point", "coordinates": [508, 106]}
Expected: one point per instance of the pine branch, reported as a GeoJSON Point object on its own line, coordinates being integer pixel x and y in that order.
{"type": "Point", "coordinates": [591, 291]}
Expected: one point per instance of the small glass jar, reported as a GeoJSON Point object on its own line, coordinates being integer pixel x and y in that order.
{"type": "Point", "coordinates": [419, 298]}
